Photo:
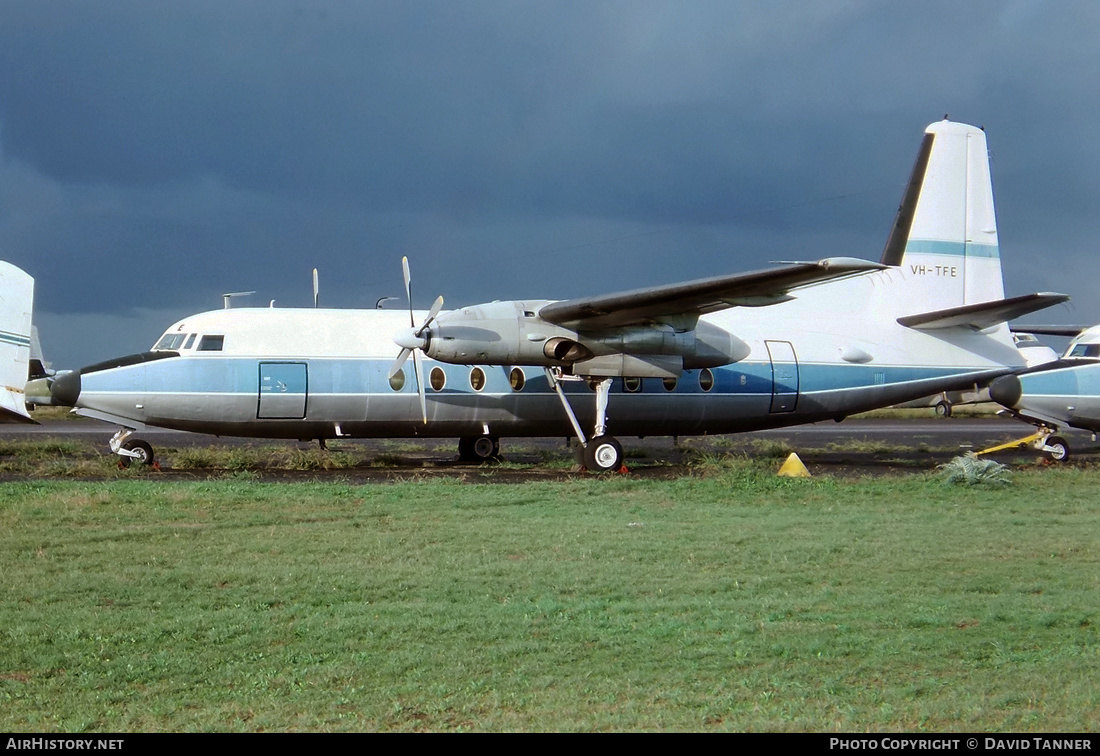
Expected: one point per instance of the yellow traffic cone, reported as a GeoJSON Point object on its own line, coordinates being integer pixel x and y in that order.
{"type": "Point", "coordinates": [793, 468]}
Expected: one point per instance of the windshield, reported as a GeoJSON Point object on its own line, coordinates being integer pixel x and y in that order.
{"type": "Point", "coordinates": [170, 341]}
{"type": "Point", "coordinates": [1084, 350]}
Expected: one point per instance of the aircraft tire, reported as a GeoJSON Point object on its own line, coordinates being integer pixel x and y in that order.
{"type": "Point", "coordinates": [943, 409]}
{"type": "Point", "coordinates": [1056, 449]}
{"type": "Point", "coordinates": [142, 449]}
{"type": "Point", "coordinates": [478, 448]}
{"type": "Point", "coordinates": [603, 454]}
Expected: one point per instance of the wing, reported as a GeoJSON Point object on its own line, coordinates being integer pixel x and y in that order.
{"type": "Point", "coordinates": [694, 298]}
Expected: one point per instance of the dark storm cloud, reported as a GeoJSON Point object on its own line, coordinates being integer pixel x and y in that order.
{"type": "Point", "coordinates": [153, 155]}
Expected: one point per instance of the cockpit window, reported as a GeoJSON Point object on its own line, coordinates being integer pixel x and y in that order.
{"type": "Point", "coordinates": [1085, 350]}
{"type": "Point", "coordinates": [190, 341]}
{"type": "Point", "coordinates": [170, 341]}
{"type": "Point", "coordinates": [211, 343]}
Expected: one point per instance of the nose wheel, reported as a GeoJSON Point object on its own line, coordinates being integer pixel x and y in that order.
{"type": "Point", "coordinates": [131, 451]}
{"type": "Point", "coordinates": [1055, 449]}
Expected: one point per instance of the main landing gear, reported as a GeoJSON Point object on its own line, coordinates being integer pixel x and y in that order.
{"type": "Point", "coordinates": [131, 450]}
{"type": "Point", "coordinates": [602, 452]}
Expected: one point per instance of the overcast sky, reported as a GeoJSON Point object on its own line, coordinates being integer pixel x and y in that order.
{"type": "Point", "coordinates": [154, 155]}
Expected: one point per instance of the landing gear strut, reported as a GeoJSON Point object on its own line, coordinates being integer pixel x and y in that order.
{"type": "Point", "coordinates": [602, 452]}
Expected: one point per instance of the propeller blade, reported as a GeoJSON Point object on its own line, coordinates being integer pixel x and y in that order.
{"type": "Point", "coordinates": [399, 362]}
{"type": "Point", "coordinates": [408, 288]}
{"type": "Point", "coordinates": [417, 333]}
{"type": "Point", "coordinates": [420, 387]}
{"type": "Point", "coordinates": [436, 307]}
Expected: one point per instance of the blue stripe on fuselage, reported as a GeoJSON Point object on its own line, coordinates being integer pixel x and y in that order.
{"type": "Point", "coordinates": [350, 376]}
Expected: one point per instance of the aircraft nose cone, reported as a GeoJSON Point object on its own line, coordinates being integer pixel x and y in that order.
{"type": "Point", "coordinates": [409, 339]}
{"type": "Point", "coordinates": [66, 388]}
{"type": "Point", "coordinates": [1006, 390]}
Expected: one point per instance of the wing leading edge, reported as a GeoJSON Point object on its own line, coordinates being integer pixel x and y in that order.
{"type": "Point", "coordinates": [694, 298]}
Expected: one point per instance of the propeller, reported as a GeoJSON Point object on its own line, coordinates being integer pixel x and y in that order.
{"type": "Point", "coordinates": [414, 340]}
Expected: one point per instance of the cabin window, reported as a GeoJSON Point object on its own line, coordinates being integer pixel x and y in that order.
{"type": "Point", "coordinates": [437, 379]}
{"type": "Point", "coordinates": [190, 341]}
{"type": "Point", "coordinates": [669, 384]}
{"type": "Point", "coordinates": [397, 380]}
{"type": "Point", "coordinates": [211, 343]}
{"type": "Point", "coordinates": [171, 341]}
{"type": "Point", "coordinates": [477, 379]}
{"type": "Point", "coordinates": [517, 379]}
{"type": "Point", "coordinates": [706, 379]}
{"type": "Point", "coordinates": [632, 385]}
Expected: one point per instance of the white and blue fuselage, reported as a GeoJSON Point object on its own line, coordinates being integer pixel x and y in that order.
{"type": "Point", "coordinates": [318, 373]}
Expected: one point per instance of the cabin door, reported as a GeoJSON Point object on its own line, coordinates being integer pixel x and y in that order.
{"type": "Point", "coordinates": [784, 376]}
{"type": "Point", "coordinates": [283, 388]}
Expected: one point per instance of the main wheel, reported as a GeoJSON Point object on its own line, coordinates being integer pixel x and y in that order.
{"type": "Point", "coordinates": [943, 408]}
{"type": "Point", "coordinates": [1056, 449]}
{"type": "Point", "coordinates": [143, 451]}
{"type": "Point", "coordinates": [603, 454]}
{"type": "Point", "coordinates": [478, 448]}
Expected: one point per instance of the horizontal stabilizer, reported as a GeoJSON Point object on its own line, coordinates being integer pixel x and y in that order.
{"type": "Point", "coordinates": [12, 409]}
{"type": "Point", "coordinates": [1051, 330]}
{"type": "Point", "coordinates": [983, 314]}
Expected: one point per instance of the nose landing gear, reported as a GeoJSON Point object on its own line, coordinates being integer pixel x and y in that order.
{"type": "Point", "coordinates": [131, 450]}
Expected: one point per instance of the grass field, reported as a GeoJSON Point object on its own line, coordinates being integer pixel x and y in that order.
{"type": "Point", "coordinates": [728, 600]}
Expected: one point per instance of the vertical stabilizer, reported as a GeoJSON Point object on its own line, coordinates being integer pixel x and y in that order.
{"type": "Point", "coordinates": [16, 302]}
{"type": "Point", "coordinates": [950, 246]}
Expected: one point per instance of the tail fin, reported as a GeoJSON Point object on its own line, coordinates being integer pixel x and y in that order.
{"type": "Point", "coordinates": [16, 303]}
{"type": "Point", "coordinates": [945, 236]}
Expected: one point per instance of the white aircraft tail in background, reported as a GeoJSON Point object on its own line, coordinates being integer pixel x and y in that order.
{"type": "Point", "coordinates": [16, 303]}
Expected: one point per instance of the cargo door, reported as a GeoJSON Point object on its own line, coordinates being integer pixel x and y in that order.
{"type": "Point", "coordinates": [784, 376]}
{"type": "Point", "coordinates": [283, 388]}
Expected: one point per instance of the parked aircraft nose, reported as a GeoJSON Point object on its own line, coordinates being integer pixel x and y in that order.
{"type": "Point", "coordinates": [1006, 390]}
{"type": "Point", "coordinates": [66, 388]}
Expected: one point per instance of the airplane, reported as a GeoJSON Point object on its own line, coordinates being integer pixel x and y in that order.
{"type": "Point", "coordinates": [800, 343]}
{"type": "Point", "coordinates": [1057, 395]}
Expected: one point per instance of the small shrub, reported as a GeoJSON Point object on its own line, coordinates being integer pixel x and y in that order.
{"type": "Point", "coordinates": [970, 470]}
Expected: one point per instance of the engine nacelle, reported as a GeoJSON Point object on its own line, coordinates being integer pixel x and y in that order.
{"type": "Point", "coordinates": [512, 333]}
{"type": "Point", "coordinates": [501, 333]}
